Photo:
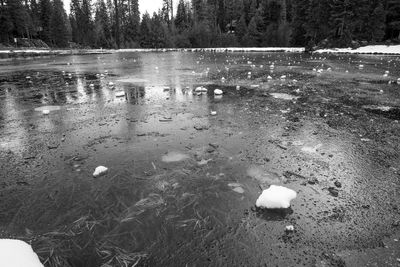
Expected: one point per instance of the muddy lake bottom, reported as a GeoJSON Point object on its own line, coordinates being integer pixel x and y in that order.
{"type": "Point", "coordinates": [185, 168]}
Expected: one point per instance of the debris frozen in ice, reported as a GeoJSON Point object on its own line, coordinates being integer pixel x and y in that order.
{"type": "Point", "coordinates": [99, 171]}
{"type": "Point", "coordinates": [174, 156]}
{"type": "Point", "coordinates": [276, 197]}
{"type": "Point", "coordinates": [17, 253]}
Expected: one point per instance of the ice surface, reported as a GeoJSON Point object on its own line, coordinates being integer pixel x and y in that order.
{"type": "Point", "coordinates": [276, 197]}
{"type": "Point", "coordinates": [99, 171]}
{"type": "Point", "coordinates": [16, 253]}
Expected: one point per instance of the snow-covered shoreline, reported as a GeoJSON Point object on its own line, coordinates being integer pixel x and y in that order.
{"type": "Point", "coordinates": [368, 50]}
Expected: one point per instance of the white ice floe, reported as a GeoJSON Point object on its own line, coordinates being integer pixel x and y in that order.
{"type": "Point", "coordinates": [45, 112]}
{"type": "Point", "coordinates": [218, 92]}
{"type": "Point", "coordinates": [213, 113]}
{"type": "Point", "coordinates": [371, 49]}
{"type": "Point", "coordinates": [99, 171]}
{"type": "Point", "coordinates": [17, 253]}
{"type": "Point", "coordinates": [276, 197]}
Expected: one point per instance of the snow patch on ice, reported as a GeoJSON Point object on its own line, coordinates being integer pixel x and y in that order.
{"type": "Point", "coordinates": [16, 253]}
{"type": "Point", "coordinates": [276, 197]}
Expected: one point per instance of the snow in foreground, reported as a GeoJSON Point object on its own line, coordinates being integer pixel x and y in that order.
{"type": "Point", "coordinates": [16, 253]}
{"type": "Point", "coordinates": [276, 197]}
{"type": "Point", "coordinates": [371, 49]}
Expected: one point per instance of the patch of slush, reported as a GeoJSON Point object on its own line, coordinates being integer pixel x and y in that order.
{"type": "Point", "coordinates": [380, 108]}
{"type": "Point", "coordinates": [174, 156]}
{"type": "Point", "coordinates": [48, 108]}
{"type": "Point", "coordinates": [276, 197]}
{"type": "Point", "coordinates": [16, 253]}
{"type": "Point", "coordinates": [310, 149]}
{"type": "Point", "coordinates": [284, 96]}
{"type": "Point", "coordinates": [264, 176]}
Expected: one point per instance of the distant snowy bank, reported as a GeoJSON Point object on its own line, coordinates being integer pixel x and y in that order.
{"type": "Point", "coordinates": [371, 49]}
{"type": "Point", "coordinates": [223, 49]}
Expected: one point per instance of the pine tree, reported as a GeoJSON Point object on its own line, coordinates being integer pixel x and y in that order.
{"type": "Point", "coordinates": [45, 11]}
{"type": "Point", "coordinates": [59, 31]}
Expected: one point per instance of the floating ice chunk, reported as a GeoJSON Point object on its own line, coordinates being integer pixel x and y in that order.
{"type": "Point", "coordinates": [201, 89]}
{"type": "Point", "coordinates": [218, 92]}
{"type": "Point", "coordinates": [45, 112]}
{"type": "Point", "coordinates": [16, 253]}
{"type": "Point", "coordinates": [111, 84]}
{"type": "Point", "coordinates": [238, 86]}
{"type": "Point", "coordinates": [283, 77]}
{"type": "Point", "coordinates": [236, 187]}
{"type": "Point", "coordinates": [174, 156]}
{"type": "Point", "coordinates": [269, 77]}
{"type": "Point", "coordinates": [120, 94]}
{"type": "Point", "coordinates": [213, 113]}
{"type": "Point", "coordinates": [289, 228]}
{"type": "Point", "coordinates": [91, 85]}
{"type": "Point", "coordinates": [49, 108]}
{"type": "Point", "coordinates": [238, 190]}
{"type": "Point", "coordinates": [398, 81]}
{"type": "Point", "coordinates": [276, 197]}
{"type": "Point", "coordinates": [99, 171]}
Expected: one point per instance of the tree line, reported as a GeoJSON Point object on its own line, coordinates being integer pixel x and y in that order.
{"type": "Point", "coordinates": [200, 23]}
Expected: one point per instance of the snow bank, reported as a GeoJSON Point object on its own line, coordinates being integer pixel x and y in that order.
{"type": "Point", "coordinates": [371, 49]}
{"type": "Point", "coordinates": [16, 253]}
{"type": "Point", "coordinates": [276, 197]}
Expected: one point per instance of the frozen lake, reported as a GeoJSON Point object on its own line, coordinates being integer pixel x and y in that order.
{"type": "Point", "coordinates": [185, 167]}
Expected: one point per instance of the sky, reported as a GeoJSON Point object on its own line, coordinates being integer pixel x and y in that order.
{"type": "Point", "coordinates": [144, 5]}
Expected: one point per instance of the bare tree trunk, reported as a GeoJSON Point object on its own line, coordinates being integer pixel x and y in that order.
{"type": "Point", "coordinates": [117, 24]}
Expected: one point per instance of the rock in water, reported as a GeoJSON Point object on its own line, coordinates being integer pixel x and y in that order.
{"type": "Point", "coordinates": [276, 197]}
{"type": "Point", "coordinates": [99, 171]}
{"type": "Point", "coordinates": [16, 253]}
{"type": "Point", "coordinates": [218, 92]}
